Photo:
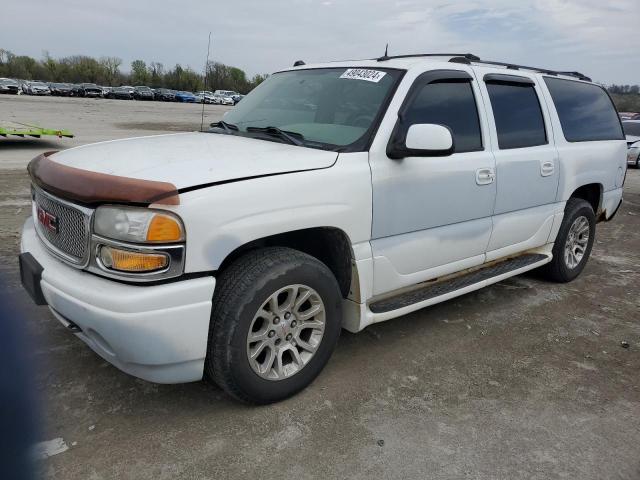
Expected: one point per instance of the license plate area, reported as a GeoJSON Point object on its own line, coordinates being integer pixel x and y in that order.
{"type": "Point", "coordinates": [30, 275]}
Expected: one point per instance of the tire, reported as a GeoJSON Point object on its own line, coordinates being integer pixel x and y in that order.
{"type": "Point", "coordinates": [240, 305]}
{"type": "Point", "coordinates": [561, 269]}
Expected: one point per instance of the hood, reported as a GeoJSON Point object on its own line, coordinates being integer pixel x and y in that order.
{"type": "Point", "coordinates": [194, 159]}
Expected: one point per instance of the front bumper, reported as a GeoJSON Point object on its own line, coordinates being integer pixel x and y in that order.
{"type": "Point", "coordinates": [157, 333]}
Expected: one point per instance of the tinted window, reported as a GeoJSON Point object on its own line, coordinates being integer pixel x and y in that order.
{"type": "Point", "coordinates": [451, 104]}
{"type": "Point", "coordinates": [585, 110]}
{"type": "Point", "coordinates": [517, 114]}
{"type": "Point", "coordinates": [631, 128]}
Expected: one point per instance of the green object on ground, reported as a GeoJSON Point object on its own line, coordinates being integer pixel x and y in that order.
{"type": "Point", "coordinates": [26, 130]}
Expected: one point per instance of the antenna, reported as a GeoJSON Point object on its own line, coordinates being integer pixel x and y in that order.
{"type": "Point", "coordinates": [386, 54]}
{"type": "Point", "coordinates": [206, 73]}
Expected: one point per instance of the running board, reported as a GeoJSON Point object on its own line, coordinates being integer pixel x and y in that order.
{"type": "Point", "coordinates": [461, 283]}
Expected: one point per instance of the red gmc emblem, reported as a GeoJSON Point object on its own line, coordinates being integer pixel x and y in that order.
{"type": "Point", "coordinates": [47, 220]}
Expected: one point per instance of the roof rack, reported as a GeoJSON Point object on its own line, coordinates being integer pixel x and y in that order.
{"type": "Point", "coordinates": [513, 66]}
{"type": "Point", "coordinates": [468, 58]}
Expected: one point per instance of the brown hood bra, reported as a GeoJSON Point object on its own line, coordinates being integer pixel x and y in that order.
{"type": "Point", "coordinates": [93, 188]}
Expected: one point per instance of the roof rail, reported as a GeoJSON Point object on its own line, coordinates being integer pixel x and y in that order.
{"type": "Point", "coordinates": [468, 56]}
{"type": "Point", "coordinates": [513, 66]}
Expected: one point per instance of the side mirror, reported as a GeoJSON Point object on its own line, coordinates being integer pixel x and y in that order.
{"type": "Point", "coordinates": [422, 140]}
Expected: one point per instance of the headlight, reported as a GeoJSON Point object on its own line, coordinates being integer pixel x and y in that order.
{"type": "Point", "coordinates": [123, 260]}
{"type": "Point", "coordinates": [137, 244]}
{"type": "Point", "coordinates": [138, 225]}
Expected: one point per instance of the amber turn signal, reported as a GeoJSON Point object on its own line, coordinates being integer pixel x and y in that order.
{"type": "Point", "coordinates": [163, 228]}
{"type": "Point", "coordinates": [128, 261]}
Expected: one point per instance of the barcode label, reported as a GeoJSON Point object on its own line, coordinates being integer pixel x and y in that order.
{"type": "Point", "coordinates": [363, 74]}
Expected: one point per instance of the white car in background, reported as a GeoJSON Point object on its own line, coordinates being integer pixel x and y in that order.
{"type": "Point", "coordinates": [204, 97]}
{"type": "Point", "coordinates": [36, 88]}
{"type": "Point", "coordinates": [632, 134]}
{"type": "Point", "coordinates": [222, 99]}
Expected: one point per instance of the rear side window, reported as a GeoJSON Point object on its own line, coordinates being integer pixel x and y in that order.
{"type": "Point", "coordinates": [585, 110]}
{"type": "Point", "coordinates": [517, 113]}
{"type": "Point", "coordinates": [453, 105]}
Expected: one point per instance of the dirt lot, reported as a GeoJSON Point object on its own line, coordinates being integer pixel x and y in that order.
{"type": "Point", "coordinates": [525, 379]}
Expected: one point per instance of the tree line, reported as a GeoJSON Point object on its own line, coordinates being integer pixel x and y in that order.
{"type": "Point", "coordinates": [106, 71]}
{"type": "Point", "coordinates": [625, 97]}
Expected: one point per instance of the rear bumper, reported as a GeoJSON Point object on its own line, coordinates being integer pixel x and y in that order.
{"type": "Point", "coordinates": [157, 333]}
{"type": "Point", "coordinates": [611, 202]}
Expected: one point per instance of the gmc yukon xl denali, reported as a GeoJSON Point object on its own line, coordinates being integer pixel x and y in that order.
{"type": "Point", "coordinates": [333, 196]}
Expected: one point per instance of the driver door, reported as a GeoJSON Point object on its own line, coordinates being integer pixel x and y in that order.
{"type": "Point", "coordinates": [432, 215]}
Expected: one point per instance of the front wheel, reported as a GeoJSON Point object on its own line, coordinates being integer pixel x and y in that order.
{"type": "Point", "coordinates": [573, 244]}
{"type": "Point", "coordinates": [275, 321]}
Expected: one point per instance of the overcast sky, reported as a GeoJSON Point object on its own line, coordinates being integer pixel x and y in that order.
{"type": "Point", "coordinates": [596, 37]}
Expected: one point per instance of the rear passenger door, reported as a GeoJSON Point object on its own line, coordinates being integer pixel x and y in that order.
{"type": "Point", "coordinates": [526, 161]}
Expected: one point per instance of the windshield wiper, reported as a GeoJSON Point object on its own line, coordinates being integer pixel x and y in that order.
{"type": "Point", "coordinates": [227, 127]}
{"type": "Point", "coordinates": [275, 131]}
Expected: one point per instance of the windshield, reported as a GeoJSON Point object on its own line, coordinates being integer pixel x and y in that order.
{"type": "Point", "coordinates": [631, 128]}
{"type": "Point", "coordinates": [332, 106]}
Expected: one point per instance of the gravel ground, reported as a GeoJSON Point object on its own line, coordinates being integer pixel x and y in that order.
{"type": "Point", "coordinates": [524, 379]}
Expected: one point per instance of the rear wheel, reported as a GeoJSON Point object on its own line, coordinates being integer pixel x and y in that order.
{"type": "Point", "coordinates": [275, 321]}
{"type": "Point", "coordinates": [573, 244]}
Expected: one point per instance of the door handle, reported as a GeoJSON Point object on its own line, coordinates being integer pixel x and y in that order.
{"type": "Point", "coordinates": [485, 176]}
{"type": "Point", "coordinates": [547, 168]}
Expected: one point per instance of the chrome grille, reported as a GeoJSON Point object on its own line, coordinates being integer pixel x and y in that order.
{"type": "Point", "coordinates": [71, 241]}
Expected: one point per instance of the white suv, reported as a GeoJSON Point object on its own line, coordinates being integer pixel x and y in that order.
{"type": "Point", "coordinates": [333, 196]}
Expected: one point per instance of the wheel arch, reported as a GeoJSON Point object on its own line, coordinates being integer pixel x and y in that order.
{"type": "Point", "coordinates": [330, 245]}
{"type": "Point", "coordinates": [592, 193]}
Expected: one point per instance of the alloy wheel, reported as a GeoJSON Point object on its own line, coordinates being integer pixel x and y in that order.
{"type": "Point", "coordinates": [286, 332]}
{"type": "Point", "coordinates": [577, 240]}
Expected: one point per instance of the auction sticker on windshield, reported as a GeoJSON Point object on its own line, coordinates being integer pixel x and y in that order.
{"type": "Point", "coordinates": [363, 74]}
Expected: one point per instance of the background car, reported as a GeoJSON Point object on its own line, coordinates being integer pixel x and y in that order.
{"type": "Point", "coordinates": [204, 97]}
{"type": "Point", "coordinates": [185, 97]}
{"type": "Point", "coordinates": [121, 93]}
{"type": "Point", "coordinates": [86, 90]}
{"type": "Point", "coordinates": [629, 116]}
{"type": "Point", "coordinates": [9, 86]}
{"type": "Point", "coordinates": [631, 131]}
{"type": "Point", "coordinates": [164, 94]}
{"type": "Point", "coordinates": [36, 88]}
{"type": "Point", "coordinates": [221, 99]}
{"type": "Point", "coordinates": [60, 89]}
{"type": "Point", "coordinates": [142, 92]}
{"type": "Point", "coordinates": [228, 94]}
{"type": "Point", "coordinates": [632, 135]}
